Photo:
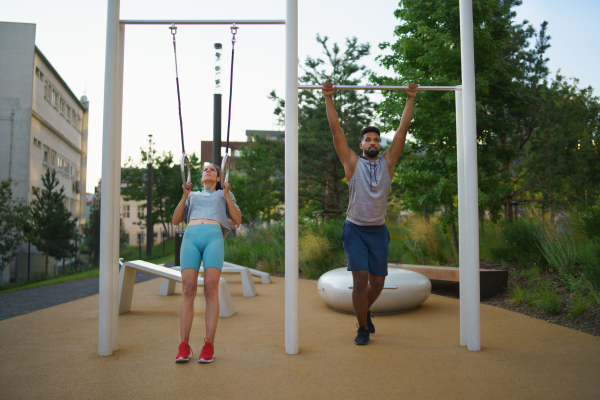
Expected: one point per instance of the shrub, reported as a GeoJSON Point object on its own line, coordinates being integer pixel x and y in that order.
{"type": "Point", "coordinates": [519, 243]}
{"type": "Point", "coordinates": [519, 295]}
{"type": "Point", "coordinates": [561, 250]}
{"type": "Point", "coordinates": [547, 300]}
{"type": "Point", "coordinates": [588, 223]}
{"type": "Point", "coordinates": [578, 306]}
{"type": "Point", "coordinates": [316, 256]}
{"type": "Point", "coordinates": [590, 263]}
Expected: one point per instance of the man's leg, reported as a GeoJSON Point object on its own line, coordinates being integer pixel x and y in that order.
{"type": "Point", "coordinates": [360, 298]}
{"type": "Point", "coordinates": [375, 288]}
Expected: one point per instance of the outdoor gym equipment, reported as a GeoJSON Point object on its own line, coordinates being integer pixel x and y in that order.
{"type": "Point", "coordinates": [470, 334]}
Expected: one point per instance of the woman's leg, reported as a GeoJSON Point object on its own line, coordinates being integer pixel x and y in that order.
{"type": "Point", "coordinates": [189, 277]}
{"type": "Point", "coordinates": [211, 295]}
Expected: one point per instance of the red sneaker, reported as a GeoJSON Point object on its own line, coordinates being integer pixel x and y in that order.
{"type": "Point", "coordinates": [208, 352]}
{"type": "Point", "coordinates": [185, 352]}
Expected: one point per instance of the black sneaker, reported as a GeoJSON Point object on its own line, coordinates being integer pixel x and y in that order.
{"type": "Point", "coordinates": [370, 325]}
{"type": "Point", "coordinates": [362, 336]}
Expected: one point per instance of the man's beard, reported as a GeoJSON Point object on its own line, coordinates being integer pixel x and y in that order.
{"type": "Point", "coordinates": [371, 153]}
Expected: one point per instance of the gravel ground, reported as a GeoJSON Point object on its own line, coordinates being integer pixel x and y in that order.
{"type": "Point", "coordinates": [588, 322]}
{"type": "Point", "coordinates": [29, 300]}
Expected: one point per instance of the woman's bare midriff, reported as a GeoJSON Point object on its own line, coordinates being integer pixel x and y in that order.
{"type": "Point", "coordinates": [204, 221]}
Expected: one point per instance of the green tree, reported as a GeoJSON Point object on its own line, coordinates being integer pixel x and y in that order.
{"type": "Point", "coordinates": [258, 182]}
{"type": "Point", "coordinates": [509, 81]}
{"type": "Point", "coordinates": [14, 217]}
{"type": "Point", "coordinates": [53, 230]}
{"type": "Point", "coordinates": [166, 184]}
{"type": "Point", "coordinates": [563, 154]}
{"type": "Point", "coordinates": [322, 182]}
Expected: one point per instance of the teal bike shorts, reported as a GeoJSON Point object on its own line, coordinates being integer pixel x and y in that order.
{"type": "Point", "coordinates": [202, 244]}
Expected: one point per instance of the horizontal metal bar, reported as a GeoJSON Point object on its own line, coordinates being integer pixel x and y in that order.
{"type": "Point", "coordinates": [358, 87]}
{"type": "Point", "coordinates": [385, 287]}
{"type": "Point", "coordinates": [202, 22]}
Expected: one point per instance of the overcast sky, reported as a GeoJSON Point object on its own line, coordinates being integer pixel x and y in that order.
{"type": "Point", "coordinates": [72, 35]}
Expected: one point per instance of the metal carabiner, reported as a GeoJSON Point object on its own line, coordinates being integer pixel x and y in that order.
{"type": "Point", "coordinates": [233, 32]}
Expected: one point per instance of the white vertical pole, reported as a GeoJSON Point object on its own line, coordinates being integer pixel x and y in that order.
{"type": "Point", "coordinates": [471, 196]}
{"type": "Point", "coordinates": [291, 177]}
{"type": "Point", "coordinates": [107, 221]}
{"type": "Point", "coordinates": [462, 241]}
{"type": "Point", "coordinates": [118, 104]}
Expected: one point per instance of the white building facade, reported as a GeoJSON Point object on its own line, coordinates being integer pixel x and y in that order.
{"type": "Point", "coordinates": [43, 125]}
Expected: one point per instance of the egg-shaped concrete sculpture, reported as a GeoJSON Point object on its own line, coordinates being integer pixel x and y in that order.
{"type": "Point", "coordinates": [403, 291]}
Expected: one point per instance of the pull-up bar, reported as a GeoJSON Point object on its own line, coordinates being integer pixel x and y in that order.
{"type": "Point", "coordinates": [359, 87]}
{"type": "Point", "coordinates": [202, 22]}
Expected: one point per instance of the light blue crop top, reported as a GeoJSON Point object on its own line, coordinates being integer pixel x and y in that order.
{"type": "Point", "coordinates": [209, 204]}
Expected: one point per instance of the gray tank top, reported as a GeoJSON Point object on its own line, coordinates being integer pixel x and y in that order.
{"type": "Point", "coordinates": [369, 190]}
{"type": "Point", "coordinates": [209, 204]}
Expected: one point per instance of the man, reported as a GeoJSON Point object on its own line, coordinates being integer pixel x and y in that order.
{"type": "Point", "coordinates": [563, 222]}
{"type": "Point", "coordinates": [365, 236]}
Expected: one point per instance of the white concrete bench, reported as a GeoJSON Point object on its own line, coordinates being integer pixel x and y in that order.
{"type": "Point", "coordinates": [249, 289]}
{"type": "Point", "coordinates": [127, 283]}
{"type": "Point", "coordinates": [265, 278]}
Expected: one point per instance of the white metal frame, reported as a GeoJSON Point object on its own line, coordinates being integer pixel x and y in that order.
{"type": "Point", "coordinates": [111, 173]}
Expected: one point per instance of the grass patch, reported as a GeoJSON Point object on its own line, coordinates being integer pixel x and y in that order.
{"type": "Point", "coordinates": [578, 306]}
{"type": "Point", "coordinates": [519, 295]}
{"type": "Point", "coordinates": [13, 287]}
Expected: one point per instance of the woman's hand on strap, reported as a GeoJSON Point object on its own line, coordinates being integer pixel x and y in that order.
{"type": "Point", "coordinates": [226, 188]}
{"type": "Point", "coordinates": [187, 191]}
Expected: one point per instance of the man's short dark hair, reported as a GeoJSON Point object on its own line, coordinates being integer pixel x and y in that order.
{"type": "Point", "coordinates": [369, 129]}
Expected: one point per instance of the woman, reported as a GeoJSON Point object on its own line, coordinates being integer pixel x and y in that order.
{"type": "Point", "coordinates": [206, 215]}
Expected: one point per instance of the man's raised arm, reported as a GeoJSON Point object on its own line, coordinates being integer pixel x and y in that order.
{"type": "Point", "coordinates": [393, 153]}
{"type": "Point", "coordinates": [347, 156]}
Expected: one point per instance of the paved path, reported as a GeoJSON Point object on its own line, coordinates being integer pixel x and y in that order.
{"type": "Point", "coordinates": [29, 300]}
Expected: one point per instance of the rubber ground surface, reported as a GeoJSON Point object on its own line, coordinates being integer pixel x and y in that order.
{"type": "Point", "coordinates": [53, 353]}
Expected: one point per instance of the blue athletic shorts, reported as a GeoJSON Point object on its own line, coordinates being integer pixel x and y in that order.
{"type": "Point", "coordinates": [202, 243]}
{"type": "Point", "coordinates": [367, 248]}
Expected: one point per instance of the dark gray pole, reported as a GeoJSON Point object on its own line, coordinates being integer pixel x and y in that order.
{"type": "Point", "coordinates": [149, 226]}
{"type": "Point", "coordinates": [28, 261]}
{"type": "Point", "coordinates": [217, 129]}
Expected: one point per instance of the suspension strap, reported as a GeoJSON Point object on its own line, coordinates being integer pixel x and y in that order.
{"type": "Point", "coordinates": [173, 29]}
{"type": "Point", "coordinates": [184, 158]}
{"type": "Point", "coordinates": [225, 162]}
{"type": "Point", "coordinates": [233, 32]}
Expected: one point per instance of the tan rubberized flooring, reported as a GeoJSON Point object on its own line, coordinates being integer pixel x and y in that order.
{"type": "Point", "coordinates": [52, 353]}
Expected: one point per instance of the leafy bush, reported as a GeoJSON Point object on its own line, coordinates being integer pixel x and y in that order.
{"type": "Point", "coordinates": [588, 223]}
{"type": "Point", "coordinates": [316, 256]}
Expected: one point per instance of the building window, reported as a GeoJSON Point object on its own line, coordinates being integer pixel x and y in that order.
{"type": "Point", "coordinates": [77, 173]}
{"type": "Point", "coordinates": [68, 116]}
{"type": "Point", "coordinates": [46, 155]}
{"type": "Point", "coordinates": [39, 74]}
{"type": "Point", "coordinates": [54, 96]}
{"type": "Point", "coordinates": [60, 164]}
{"type": "Point", "coordinates": [53, 160]}
{"type": "Point", "coordinates": [127, 211]}
{"type": "Point", "coordinates": [72, 171]}
{"type": "Point", "coordinates": [141, 212]}
{"type": "Point", "coordinates": [66, 168]}
{"type": "Point", "coordinates": [62, 107]}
